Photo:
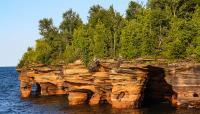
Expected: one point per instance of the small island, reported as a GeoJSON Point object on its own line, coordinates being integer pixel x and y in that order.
{"type": "Point", "coordinates": [150, 55]}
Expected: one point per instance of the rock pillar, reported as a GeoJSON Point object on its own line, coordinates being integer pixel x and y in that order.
{"type": "Point", "coordinates": [25, 89]}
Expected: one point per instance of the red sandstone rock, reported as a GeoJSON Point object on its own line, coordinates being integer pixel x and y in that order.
{"type": "Point", "coordinates": [95, 99]}
{"type": "Point", "coordinates": [123, 85]}
{"type": "Point", "coordinates": [25, 89]}
{"type": "Point", "coordinates": [76, 98]}
{"type": "Point", "coordinates": [25, 93]}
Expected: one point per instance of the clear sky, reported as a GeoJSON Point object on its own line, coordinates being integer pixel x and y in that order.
{"type": "Point", "coordinates": [19, 21]}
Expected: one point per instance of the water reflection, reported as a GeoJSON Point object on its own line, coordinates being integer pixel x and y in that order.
{"type": "Point", "coordinates": [47, 100]}
{"type": "Point", "coordinates": [100, 109]}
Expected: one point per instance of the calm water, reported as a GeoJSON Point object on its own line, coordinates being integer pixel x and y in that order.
{"type": "Point", "coordinates": [12, 103]}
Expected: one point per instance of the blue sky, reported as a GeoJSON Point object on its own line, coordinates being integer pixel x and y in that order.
{"type": "Point", "coordinates": [19, 21]}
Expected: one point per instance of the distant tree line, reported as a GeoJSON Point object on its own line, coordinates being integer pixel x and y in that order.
{"type": "Point", "coordinates": [162, 28]}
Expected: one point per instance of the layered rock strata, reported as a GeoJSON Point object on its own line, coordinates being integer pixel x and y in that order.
{"type": "Point", "coordinates": [123, 84]}
{"type": "Point", "coordinates": [185, 81]}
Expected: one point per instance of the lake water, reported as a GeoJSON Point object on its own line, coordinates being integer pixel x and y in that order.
{"type": "Point", "coordinates": [12, 103]}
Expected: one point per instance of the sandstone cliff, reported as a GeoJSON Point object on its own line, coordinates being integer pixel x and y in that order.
{"type": "Point", "coordinates": [123, 84]}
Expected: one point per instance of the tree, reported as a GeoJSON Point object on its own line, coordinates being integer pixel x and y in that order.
{"type": "Point", "coordinates": [147, 33]}
{"type": "Point", "coordinates": [71, 21]}
{"type": "Point", "coordinates": [43, 51]}
{"type": "Point", "coordinates": [52, 40]}
{"type": "Point", "coordinates": [101, 38]}
{"type": "Point", "coordinates": [46, 27]}
{"type": "Point", "coordinates": [112, 21]}
{"type": "Point", "coordinates": [179, 8]}
{"type": "Point", "coordinates": [178, 40]}
{"type": "Point", "coordinates": [96, 13]}
{"type": "Point", "coordinates": [82, 43]}
{"type": "Point", "coordinates": [130, 40]}
{"type": "Point", "coordinates": [27, 59]}
{"type": "Point", "coordinates": [195, 22]}
{"type": "Point", "coordinates": [133, 9]}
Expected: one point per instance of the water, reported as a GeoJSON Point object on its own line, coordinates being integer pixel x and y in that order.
{"type": "Point", "coordinates": [12, 103]}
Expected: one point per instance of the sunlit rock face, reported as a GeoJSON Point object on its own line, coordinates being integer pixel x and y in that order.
{"type": "Point", "coordinates": [76, 98]}
{"type": "Point", "coordinates": [185, 81]}
{"type": "Point", "coordinates": [123, 84]}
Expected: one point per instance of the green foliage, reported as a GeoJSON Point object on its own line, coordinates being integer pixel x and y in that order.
{"type": "Point", "coordinates": [101, 39]}
{"type": "Point", "coordinates": [179, 8]}
{"type": "Point", "coordinates": [163, 28]}
{"type": "Point", "coordinates": [133, 9]}
{"type": "Point", "coordinates": [28, 58]}
{"type": "Point", "coordinates": [82, 43]}
{"type": "Point", "coordinates": [177, 50]}
{"type": "Point", "coordinates": [130, 40]}
{"type": "Point", "coordinates": [195, 21]}
{"type": "Point", "coordinates": [71, 21]}
{"type": "Point", "coordinates": [46, 27]}
{"type": "Point", "coordinates": [70, 55]}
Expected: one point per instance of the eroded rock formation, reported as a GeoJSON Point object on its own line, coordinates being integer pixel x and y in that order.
{"type": "Point", "coordinates": [122, 84]}
{"type": "Point", "coordinates": [185, 80]}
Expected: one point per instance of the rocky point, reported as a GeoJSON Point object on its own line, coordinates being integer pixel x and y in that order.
{"type": "Point", "coordinates": [123, 84]}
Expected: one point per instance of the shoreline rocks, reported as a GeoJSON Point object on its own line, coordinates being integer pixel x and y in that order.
{"type": "Point", "coordinates": [123, 84]}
